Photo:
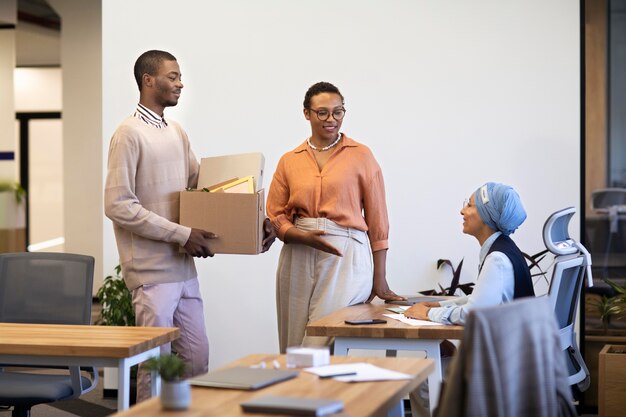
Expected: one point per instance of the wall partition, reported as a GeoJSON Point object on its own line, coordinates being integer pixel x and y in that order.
{"type": "Point", "coordinates": [447, 94]}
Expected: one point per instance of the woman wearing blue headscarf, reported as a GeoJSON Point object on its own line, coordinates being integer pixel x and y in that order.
{"type": "Point", "coordinates": [491, 214]}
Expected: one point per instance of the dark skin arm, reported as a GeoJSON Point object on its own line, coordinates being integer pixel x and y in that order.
{"type": "Point", "coordinates": [312, 238]}
{"type": "Point", "coordinates": [315, 240]}
{"type": "Point", "coordinates": [380, 288]}
{"type": "Point", "coordinates": [198, 243]}
{"type": "Point", "coordinates": [269, 235]}
{"type": "Point", "coordinates": [420, 310]}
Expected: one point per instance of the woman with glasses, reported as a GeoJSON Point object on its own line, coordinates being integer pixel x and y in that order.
{"type": "Point", "coordinates": [491, 214]}
{"type": "Point", "coordinates": [327, 204]}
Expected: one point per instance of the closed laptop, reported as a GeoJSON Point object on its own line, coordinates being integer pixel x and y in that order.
{"type": "Point", "coordinates": [243, 378]}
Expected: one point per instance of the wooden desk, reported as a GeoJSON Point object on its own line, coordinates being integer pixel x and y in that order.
{"type": "Point", "coordinates": [360, 399]}
{"type": "Point", "coordinates": [391, 336]}
{"type": "Point", "coordinates": [51, 344]}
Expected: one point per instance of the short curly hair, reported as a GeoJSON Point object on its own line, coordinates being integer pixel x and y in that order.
{"type": "Point", "coordinates": [148, 63]}
{"type": "Point", "coordinates": [319, 88]}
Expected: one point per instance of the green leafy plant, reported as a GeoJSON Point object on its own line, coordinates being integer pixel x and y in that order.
{"type": "Point", "coordinates": [608, 307]}
{"type": "Point", "coordinates": [611, 307]}
{"type": "Point", "coordinates": [15, 187]}
{"type": "Point", "coordinates": [116, 301]}
{"type": "Point", "coordinates": [170, 367]}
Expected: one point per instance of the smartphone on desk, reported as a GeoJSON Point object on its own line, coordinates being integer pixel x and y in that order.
{"type": "Point", "coordinates": [366, 321]}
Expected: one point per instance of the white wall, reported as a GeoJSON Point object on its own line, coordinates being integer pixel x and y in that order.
{"type": "Point", "coordinates": [36, 90]}
{"type": "Point", "coordinates": [448, 94]}
{"type": "Point", "coordinates": [81, 62]}
{"type": "Point", "coordinates": [8, 168]}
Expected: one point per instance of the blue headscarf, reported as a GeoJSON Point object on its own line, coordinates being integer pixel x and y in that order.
{"type": "Point", "coordinates": [500, 207]}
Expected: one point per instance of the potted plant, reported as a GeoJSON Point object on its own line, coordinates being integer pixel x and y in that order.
{"type": "Point", "coordinates": [116, 301]}
{"type": "Point", "coordinates": [175, 390]}
{"type": "Point", "coordinates": [466, 288]}
{"type": "Point", "coordinates": [116, 310]}
{"type": "Point", "coordinates": [12, 217]}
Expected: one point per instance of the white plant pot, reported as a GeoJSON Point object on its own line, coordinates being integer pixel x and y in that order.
{"type": "Point", "coordinates": [175, 395]}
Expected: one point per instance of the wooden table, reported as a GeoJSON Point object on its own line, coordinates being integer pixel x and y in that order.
{"type": "Point", "coordinates": [112, 346]}
{"type": "Point", "coordinates": [360, 399]}
{"type": "Point", "coordinates": [391, 336]}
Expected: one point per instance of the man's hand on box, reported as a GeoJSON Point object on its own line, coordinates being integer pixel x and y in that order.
{"type": "Point", "coordinates": [269, 235]}
{"type": "Point", "coordinates": [198, 243]}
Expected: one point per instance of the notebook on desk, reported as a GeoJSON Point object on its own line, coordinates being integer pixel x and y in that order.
{"type": "Point", "coordinates": [244, 378]}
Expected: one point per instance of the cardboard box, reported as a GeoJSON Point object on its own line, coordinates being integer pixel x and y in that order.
{"type": "Point", "coordinates": [237, 218]}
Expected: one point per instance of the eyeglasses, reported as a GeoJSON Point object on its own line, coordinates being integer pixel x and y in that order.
{"type": "Point", "coordinates": [323, 114]}
{"type": "Point", "coordinates": [466, 203]}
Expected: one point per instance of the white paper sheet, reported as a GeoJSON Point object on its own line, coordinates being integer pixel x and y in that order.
{"type": "Point", "coordinates": [362, 372]}
{"type": "Point", "coordinates": [412, 322]}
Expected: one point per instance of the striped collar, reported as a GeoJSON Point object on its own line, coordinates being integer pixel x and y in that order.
{"type": "Point", "coordinates": [149, 117]}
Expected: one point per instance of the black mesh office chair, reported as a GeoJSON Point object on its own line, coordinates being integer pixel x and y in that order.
{"type": "Point", "coordinates": [571, 263]}
{"type": "Point", "coordinates": [44, 288]}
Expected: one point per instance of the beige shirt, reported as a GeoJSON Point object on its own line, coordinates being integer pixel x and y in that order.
{"type": "Point", "coordinates": [147, 169]}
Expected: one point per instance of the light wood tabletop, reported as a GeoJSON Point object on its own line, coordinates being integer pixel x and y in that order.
{"type": "Point", "coordinates": [83, 345]}
{"type": "Point", "coordinates": [360, 399]}
{"type": "Point", "coordinates": [81, 340]}
{"type": "Point", "coordinates": [333, 325]}
{"type": "Point", "coordinates": [391, 336]}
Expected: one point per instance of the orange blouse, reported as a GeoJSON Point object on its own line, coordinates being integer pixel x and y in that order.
{"type": "Point", "coordinates": [349, 190]}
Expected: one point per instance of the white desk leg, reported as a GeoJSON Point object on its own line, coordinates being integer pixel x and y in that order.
{"type": "Point", "coordinates": [397, 411]}
{"type": "Point", "coordinates": [155, 384]}
{"type": "Point", "coordinates": [435, 378]}
{"type": "Point", "coordinates": [123, 384]}
{"type": "Point", "coordinates": [341, 347]}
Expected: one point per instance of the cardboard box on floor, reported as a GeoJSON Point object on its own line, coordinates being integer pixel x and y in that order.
{"type": "Point", "coordinates": [236, 218]}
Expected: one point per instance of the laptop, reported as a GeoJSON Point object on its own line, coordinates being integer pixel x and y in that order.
{"type": "Point", "coordinates": [419, 299]}
{"type": "Point", "coordinates": [243, 378]}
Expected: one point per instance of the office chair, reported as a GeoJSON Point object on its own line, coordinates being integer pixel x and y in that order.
{"type": "Point", "coordinates": [508, 364]}
{"type": "Point", "coordinates": [610, 202]}
{"type": "Point", "coordinates": [571, 263]}
{"type": "Point", "coordinates": [45, 288]}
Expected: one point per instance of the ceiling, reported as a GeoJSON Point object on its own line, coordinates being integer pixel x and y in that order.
{"type": "Point", "coordinates": [38, 12]}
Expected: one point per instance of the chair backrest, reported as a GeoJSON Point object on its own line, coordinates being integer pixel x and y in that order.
{"type": "Point", "coordinates": [572, 263]}
{"type": "Point", "coordinates": [602, 200]}
{"type": "Point", "coordinates": [46, 288]}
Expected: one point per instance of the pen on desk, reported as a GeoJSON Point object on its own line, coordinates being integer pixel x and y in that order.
{"type": "Point", "coordinates": [334, 375]}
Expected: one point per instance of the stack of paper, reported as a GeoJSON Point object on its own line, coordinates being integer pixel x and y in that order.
{"type": "Point", "coordinates": [357, 372]}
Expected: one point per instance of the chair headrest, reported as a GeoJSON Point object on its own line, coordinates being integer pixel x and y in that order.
{"type": "Point", "coordinates": [556, 235]}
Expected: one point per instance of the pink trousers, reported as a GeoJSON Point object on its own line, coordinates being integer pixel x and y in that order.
{"type": "Point", "coordinates": [176, 304]}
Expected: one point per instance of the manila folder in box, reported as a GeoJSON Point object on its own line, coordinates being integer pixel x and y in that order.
{"type": "Point", "coordinates": [292, 405]}
{"type": "Point", "coordinates": [222, 168]}
{"type": "Point", "coordinates": [243, 377]}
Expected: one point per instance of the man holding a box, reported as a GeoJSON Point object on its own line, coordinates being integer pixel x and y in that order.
{"type": "Point", "coordinates": [150, 162]}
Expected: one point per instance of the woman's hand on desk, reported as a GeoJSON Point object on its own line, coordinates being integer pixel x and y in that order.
{"type": "Point", "coordinates": [420, 310]}
{"type": "Point", "coordinates": [383, 292]}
